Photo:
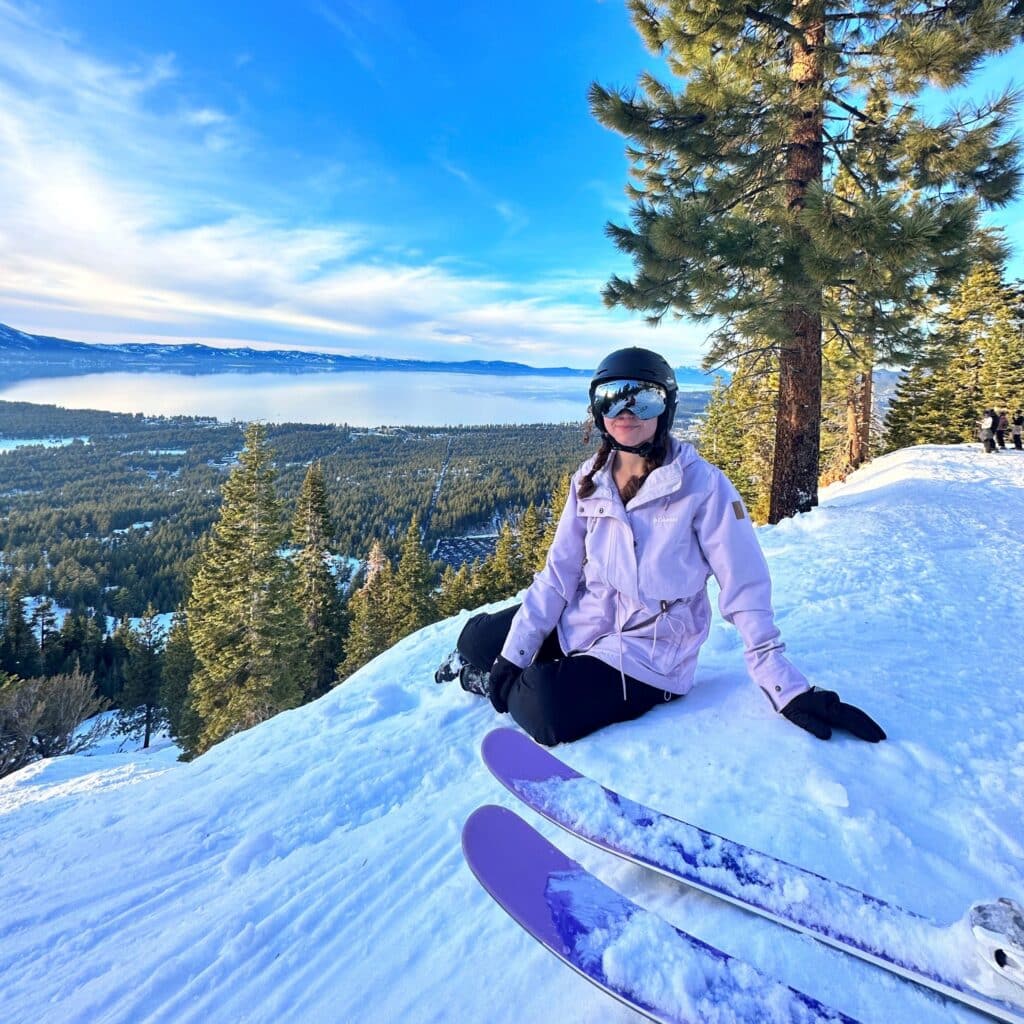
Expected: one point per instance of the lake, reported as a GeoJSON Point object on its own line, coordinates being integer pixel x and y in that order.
{"type": "Point", "coordinates": [12, 444]}
{"type": "Point", "coordinates": [359, 398]}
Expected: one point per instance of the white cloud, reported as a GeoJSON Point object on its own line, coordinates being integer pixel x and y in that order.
{"type": "Point", "coordinates": [124, 223]}
{"type": "Point", "coordinates": [205, 117]}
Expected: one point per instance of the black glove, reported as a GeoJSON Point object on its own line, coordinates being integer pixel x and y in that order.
{"type": "Point", "coordinates": [818, 710]}
{"type": "Point", "coordinates": [503, 675]}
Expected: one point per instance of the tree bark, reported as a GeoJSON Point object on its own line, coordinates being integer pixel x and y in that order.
{"type": "Point", "coordinates": [858, 419]}
{"type": "Point", "coordinates": [867, 398]}
{"type": "Point", "coordinates": [853, 424]}
{"type": "Point", "coordinates": [797, 424]}
{"type": "Point", "coordinates": [797, 427]}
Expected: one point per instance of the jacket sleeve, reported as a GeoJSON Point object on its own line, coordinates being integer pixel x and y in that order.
{"type": "Point", "coordinates": [730, 545]}
{"type": "Point", "coordinates": [548, 594]}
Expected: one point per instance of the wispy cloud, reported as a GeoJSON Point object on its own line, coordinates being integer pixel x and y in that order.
{"type": "Point", "coordinates": [362, 25]}
{"type": "Point", "coordinates": [354, 42]}
{"type": "Point", "coordinates": [514, 217]}
{"type": "Point", "coordinates": [125, 217]}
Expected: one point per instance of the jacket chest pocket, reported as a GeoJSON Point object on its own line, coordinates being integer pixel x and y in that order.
{"type": "Point", "coordinates": [671, 567]}
{"type": "Point", "coordinates": [601, 552]}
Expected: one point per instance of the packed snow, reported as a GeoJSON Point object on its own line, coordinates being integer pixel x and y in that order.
{"type": "Point", "coordinates": [310, 869]}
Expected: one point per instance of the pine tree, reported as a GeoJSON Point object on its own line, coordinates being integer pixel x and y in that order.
{"type": "Point", "coordinates": [179, 666]}
{"type": "Point", "coordinates": [483, 582]}
{"type": "Point", "coordinates": [371, 609]}
{"type": "Point", "coordinates": [377, 562]}
{"type": "Point", "coordinates": [413, 586]}
{"type": "Point", "coordinates": [987, 310]}
{"type": "Point", "coordinates": [456, 592]}
{"type": "Point", "coordinates": [559, 499]}
{"type": "Point", "coordinates": [902, 418]}
{"type": "Point", "coordinates": [530, 545]}
{"type": "Point", "coordinates": [111, 661]}
{"type": "Point", "coordinates": [243, 622]}
{"type": "Point", "coordinates": [44, 628]}
{"type": "Point", "coordinates": [78, 644]}
{"type": "Point", "coordinates": [505, 565]}
{"type": "Point", "coordinates": [142, 711]}
{"type": "Point", "coordinates": [792, 189]}
{"type": "Point", "coordinates": [19, 652]}
{"type": "Point", "coordinates": [952, 399]}
{"type": "Point", "coordinates": [843, 446]}
{"type": "Point", "coordinates": [737, 433]}
{"type": "Point", "coordinates": [973, 362]}
{"type": "Point", "coordinates": [316, 593]}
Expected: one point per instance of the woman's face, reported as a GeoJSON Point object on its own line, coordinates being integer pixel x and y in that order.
{"type": "Point", "coordinates": [628, 430]}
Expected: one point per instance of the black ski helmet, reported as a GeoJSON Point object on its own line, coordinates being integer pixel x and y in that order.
{"type": "Point", "coordinates": [637, 364]}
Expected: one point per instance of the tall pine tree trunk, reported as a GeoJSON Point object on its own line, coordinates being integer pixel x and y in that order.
{"type": "Point", "coordinates": [867, 398]}
{"type": "Point", "coordinates": [797, 424]}
{"type": "Point", "coordinates": [853, 423]}
{"type": "Point", "coordinates": [858, 419]}
{"type": "Point", "coordinates": [797, 427]}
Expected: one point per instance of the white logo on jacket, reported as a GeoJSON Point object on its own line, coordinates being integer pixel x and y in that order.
{"type": "Point", "coordinates": [664, 520]}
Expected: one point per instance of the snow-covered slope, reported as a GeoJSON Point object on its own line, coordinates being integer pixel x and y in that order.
{"type": "Point", "coordinates": [309, 870]}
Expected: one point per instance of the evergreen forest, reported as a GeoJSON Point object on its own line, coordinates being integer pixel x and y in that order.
{"type": "Point", "coordinates": [972, 360]}
{"type": "Point", "coordinates": [109, 521]}
{"type": "Point", "coordinates": [291, 553]}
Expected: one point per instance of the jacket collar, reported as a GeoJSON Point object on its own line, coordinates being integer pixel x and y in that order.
{"type": "Point", "coordinates": [665, 480]}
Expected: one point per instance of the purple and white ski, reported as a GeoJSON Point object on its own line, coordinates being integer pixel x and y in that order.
{"type": "Point", "coordinates": [974, 961]}
{"type": "Point", "coordinates": [628, 952]}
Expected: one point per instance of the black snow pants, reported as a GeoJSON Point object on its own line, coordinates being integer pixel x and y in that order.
{"type": "Point", "coordinates": [558, 699]}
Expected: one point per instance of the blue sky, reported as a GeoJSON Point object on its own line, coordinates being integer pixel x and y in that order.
{"type": "Point", "coordinates": [396, 177]}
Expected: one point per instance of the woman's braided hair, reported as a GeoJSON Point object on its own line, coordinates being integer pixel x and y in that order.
{"type": "Point", "coordinates": [659, 451]}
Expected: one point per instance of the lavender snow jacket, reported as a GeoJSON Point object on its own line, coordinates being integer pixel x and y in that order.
{"type": "Point", "coordinates": [628, 584]}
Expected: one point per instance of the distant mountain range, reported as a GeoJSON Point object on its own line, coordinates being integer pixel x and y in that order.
{"type": "Point", "coordinates": [34, 355]}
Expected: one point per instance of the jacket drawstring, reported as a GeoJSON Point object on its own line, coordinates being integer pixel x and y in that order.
{"type": "Point", "coordinates": [618, 633]}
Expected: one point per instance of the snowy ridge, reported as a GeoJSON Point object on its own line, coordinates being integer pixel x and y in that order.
{"type": "Point", "coordinates": [310, 870]}
{"type": "Point", "coordinates": [37, 351]}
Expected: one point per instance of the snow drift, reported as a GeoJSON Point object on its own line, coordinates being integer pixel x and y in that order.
{"type": "Point", "coordinates": [309, 870]}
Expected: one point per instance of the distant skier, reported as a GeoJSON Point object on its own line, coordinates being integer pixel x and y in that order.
{"type": "Point", "coordinates": [1016, 428]}
{"type": "Point", "coordinates": [1002, 426]}
{"type": "Point", "coordinates": [989, 421]}
{"type": "Point", "coordinates": [613, 623]}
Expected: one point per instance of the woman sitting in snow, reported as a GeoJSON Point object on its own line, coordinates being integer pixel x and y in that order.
{"type": "Point", "coordinates": [613, 623]}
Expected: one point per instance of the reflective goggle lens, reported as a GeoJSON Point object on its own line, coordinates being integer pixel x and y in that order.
{"type": "Point", "coordinates": [643, 400]}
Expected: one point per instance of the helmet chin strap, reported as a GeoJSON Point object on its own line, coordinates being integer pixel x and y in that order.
{"type": "Point", "coordinates": [643, 450]}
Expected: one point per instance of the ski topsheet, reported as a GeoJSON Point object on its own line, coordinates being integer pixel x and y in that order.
{"type": "Point", "coordinates": [944, 959]}
{"type": "Point", "coordinates": [628, 952]}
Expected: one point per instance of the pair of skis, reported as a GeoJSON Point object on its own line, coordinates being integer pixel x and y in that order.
{"type": "Point", "coordinates": [609, 939]}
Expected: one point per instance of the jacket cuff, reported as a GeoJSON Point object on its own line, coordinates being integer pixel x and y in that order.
{"type": "Point", "coordinates": [779, 679]}
{"type": "Point", "coordinates": [517, 656]}
{"type": "Point", "coordinates": [518, 647]}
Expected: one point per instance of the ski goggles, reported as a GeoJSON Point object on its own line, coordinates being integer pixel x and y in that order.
{"type": "Point", "coordinates": [614, 397]}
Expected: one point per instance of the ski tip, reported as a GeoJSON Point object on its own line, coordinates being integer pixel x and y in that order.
{"type": "Point", "coordinates": [499, 738]}
{"type": "Point", "coordinates": [479, 825]}
{"type": "Point", "coordinates": [513, 862]}
{"type": "Point", "coordinates": [513, 757]}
